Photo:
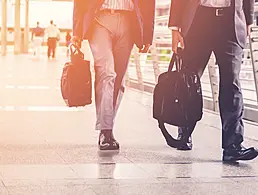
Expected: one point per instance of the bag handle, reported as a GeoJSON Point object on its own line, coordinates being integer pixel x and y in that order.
{"type": "Point", "coordinates": [176, 60]}
{"type": "Point", "coordinates": [173, 62]}
{"type": "Point", "coordinates": [73, 49]}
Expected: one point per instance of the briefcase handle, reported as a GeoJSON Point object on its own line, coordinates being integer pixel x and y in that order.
{"type": "Point", "coordinates": [176, 60]}
{"type": "Point", "coordinates": [73, 49]}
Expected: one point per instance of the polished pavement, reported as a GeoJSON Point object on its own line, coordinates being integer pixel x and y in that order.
{"type": "Point", "coordinates": [47, 148]}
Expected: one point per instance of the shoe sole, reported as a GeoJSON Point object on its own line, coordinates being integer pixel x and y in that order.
{"type": "Point", "coordinates": [105, 148]}
{"type": "Point", "coordinates": [186, 148]}
{"type": "Point", "coordinates": [246, 157]}
{"type": "Point", "coordinates": [108, 149]}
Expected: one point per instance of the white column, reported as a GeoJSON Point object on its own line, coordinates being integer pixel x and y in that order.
{"type": "Point", "coordinates": [26, 28]}
{"type": "Point", "coordinates": [17, 27]}
{"type": "Point", "coordinates": [4, 28]}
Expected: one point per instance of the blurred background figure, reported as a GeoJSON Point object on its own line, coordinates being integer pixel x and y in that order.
{"type": "Point", "coordinates": [53, 35]}
{"type": "Point", "coordinates": [37, 39]}
{"type": "Point", "coordinates": [67, 42]}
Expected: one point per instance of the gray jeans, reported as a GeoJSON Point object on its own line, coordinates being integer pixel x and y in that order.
{"type": "Point", "coordinates": [111, 44]}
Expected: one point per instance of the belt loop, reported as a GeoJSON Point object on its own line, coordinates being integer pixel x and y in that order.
{"type": "Point", "coordinates": [217, 12]}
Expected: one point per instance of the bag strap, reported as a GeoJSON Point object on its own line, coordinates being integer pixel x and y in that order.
{"type": "Point", "coordinates": [73, 49]}
{"type": "Point", "coordinates": [172, 62]}
{"type": "Point", "coordinates": [175, 60]}
{"type": "Point", "coordinates": [172, 142]}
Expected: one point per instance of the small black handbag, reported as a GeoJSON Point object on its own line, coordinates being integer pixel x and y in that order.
{"type": "Point", "coordinates": [76, 81]}
{"type": "Point", "coordinates": [177, 98]}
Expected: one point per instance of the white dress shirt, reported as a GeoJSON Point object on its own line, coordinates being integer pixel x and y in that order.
{"type": "Point", "coordinates": [216, 3]}
{"type": "Point", "coordinates": [52, 31]}
{"type": "Point", "coordinates": [118, 4]}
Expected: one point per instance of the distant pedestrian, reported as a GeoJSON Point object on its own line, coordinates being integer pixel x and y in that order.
{"type": "Point", "coordinates": [53, 35]}
{"type": "Point", "coordinates": [37, 39]}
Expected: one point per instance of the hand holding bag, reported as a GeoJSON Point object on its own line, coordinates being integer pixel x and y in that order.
{"type": "Point", "coordinates": [76, 81]}
{"type": "Point", "coordinates": [177, 99]}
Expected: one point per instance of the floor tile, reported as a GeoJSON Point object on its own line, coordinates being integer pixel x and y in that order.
{"type": "Point", "coordinates": [109, 171]}
{"type": "Point", "coordinates": [52, 190]}
{"type": "Point", "coordinates": [39, 172]}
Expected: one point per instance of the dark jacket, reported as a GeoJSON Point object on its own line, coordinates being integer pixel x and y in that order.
{"type": "Point", "coordinates": [85, 10]}
{"type": "Point", "coordinates": [182, 13]}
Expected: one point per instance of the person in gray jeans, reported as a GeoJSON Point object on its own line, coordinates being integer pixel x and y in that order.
{"type": "Point", "coordinates": [112, 27]}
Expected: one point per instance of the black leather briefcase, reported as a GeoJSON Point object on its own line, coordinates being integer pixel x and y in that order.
{"type": "Point", "coordinates": [76, 80]}
{"type": "Point", "coordinates": [177, 98]}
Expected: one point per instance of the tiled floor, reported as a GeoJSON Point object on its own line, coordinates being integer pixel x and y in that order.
{"type": "Point", "coordinates": [47, 148]}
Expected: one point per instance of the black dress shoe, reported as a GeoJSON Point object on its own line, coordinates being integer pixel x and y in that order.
{"type": "Point", "coordinates": [236, 153]}
{"type": "Point", "coordinates": [186, 146]}
{"type": "Point", "coordinates": [107, 142]}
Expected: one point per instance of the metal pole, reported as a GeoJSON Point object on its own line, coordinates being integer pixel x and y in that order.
{"type": "Point", "coordinates": [127, 78]}
{"type": "Point", "coordinates": [155, 61]}
{"type": "Point", "coordinates": [26, 28]}
{"type": "Point", "coordinates": [17, 27]}
{"type": "Point", "coordinates": [4, 28]}
{"type": "Point", "coordinates": [254, 66]}
{"type": "Point", "coordinates": [138, 68]}
{"type": "Point", "coordinates": [214, 80]}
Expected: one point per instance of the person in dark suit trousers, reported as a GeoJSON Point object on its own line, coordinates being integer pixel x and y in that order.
{"type": "Point", "coordinates": [112, 27]}
{"type": "Point", "coordinates": [201, 27]}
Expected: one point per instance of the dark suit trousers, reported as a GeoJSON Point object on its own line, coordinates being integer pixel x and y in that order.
{"type": "Point", "coordinates": [210, 33]}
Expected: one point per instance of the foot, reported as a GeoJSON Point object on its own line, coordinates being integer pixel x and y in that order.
{"type": "Point", "coordinates": [236, 153]}
{"type": "Point", "coordinates": [107, 142]}
{"type": "Point", "coordinates": [188, 145]}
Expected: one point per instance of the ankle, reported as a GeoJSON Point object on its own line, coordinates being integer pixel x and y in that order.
{"type": "Point", "coordinates": [106, 132]}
